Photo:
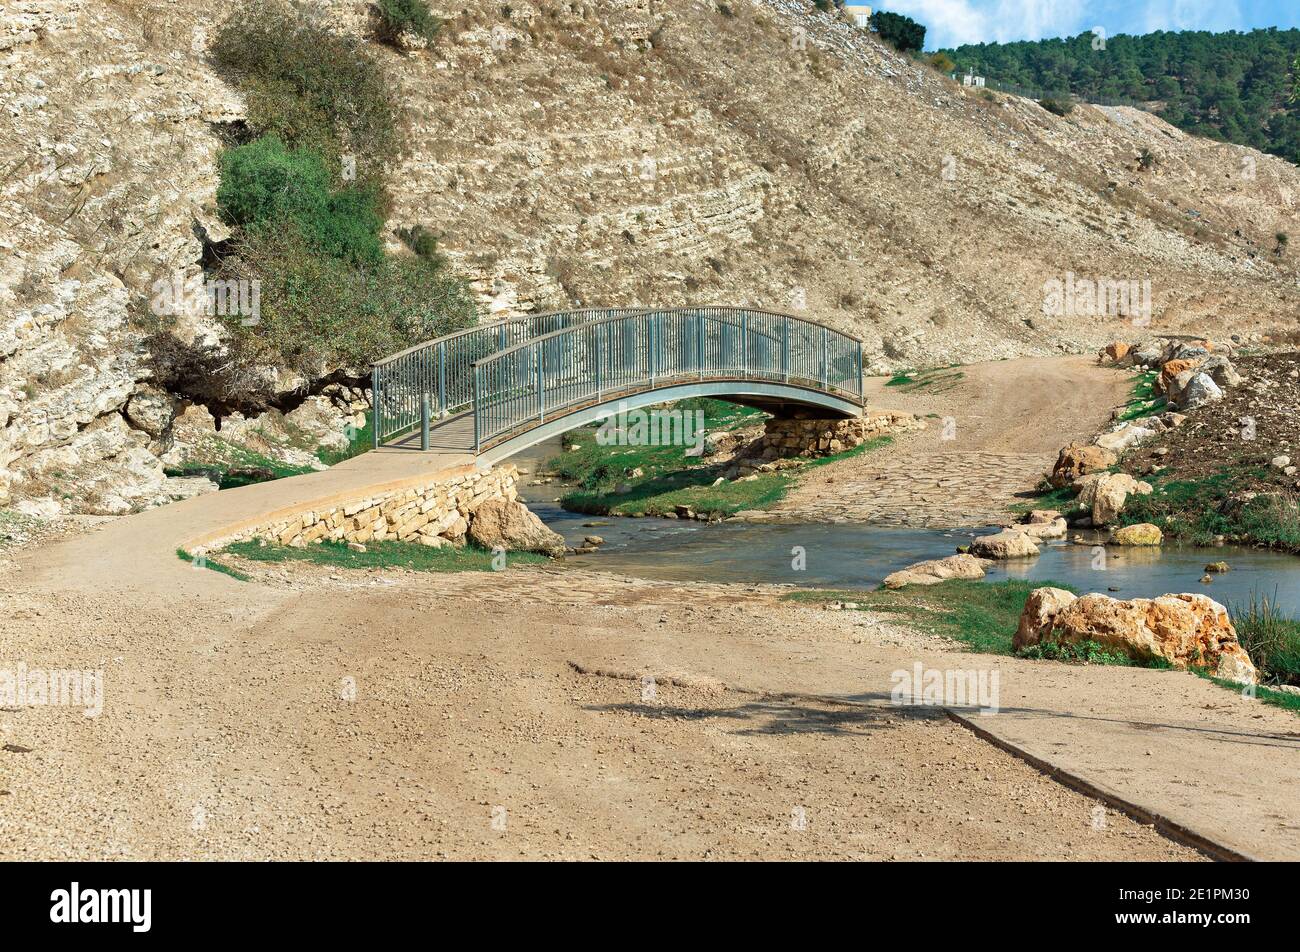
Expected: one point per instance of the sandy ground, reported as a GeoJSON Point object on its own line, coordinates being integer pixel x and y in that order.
{"type": "Point", "coordinates": [386, 715]}
{"type": "Point", "coordinates": [227, 734]}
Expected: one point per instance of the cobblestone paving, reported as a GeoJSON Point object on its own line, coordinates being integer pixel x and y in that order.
{"type": "Point", "coordinates": [928, 489]}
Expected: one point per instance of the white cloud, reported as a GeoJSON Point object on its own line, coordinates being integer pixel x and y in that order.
{"type": "Point", "coordinates": [954, 22]}
{"type": "Point", "coordinates": [1191, 15]}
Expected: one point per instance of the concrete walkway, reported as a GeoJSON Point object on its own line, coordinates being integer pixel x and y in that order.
{"type": "Point", "coordinates": [138, 553]}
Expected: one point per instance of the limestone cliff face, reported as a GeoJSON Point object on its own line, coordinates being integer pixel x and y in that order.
{"type": "Point", "coordinates": [618, 152]}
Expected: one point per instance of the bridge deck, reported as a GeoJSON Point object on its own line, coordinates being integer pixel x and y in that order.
{"type": "Point", "coordinates": [454, 434]}
{"type": "Point", "coordinates": [521, 376]}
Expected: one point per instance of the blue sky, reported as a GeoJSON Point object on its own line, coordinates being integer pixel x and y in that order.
{"type": "Point", "coordinates": [953, 22]}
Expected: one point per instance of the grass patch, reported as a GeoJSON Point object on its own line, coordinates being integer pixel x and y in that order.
{"type": "Point", "coordinates": [662, 495]}
{"type": "Point", "coordinates": [205, 562]}
{"type": "Point", "coordinates": [861, 449]}
{"type": "Point", "coordinates": [237, 467]}
{"type": "Point", "coordinates": [1063, 500]}
{"type": "Point", "coordinates": [981, 615]}
{"type": "Point", "coordinates": [1283, 699]}
{"type": "Point", "coordinates": [668, 477]}
{"type": "Point", "coordinates": [1083, 652]}
{"type": "Point", "coordinates": [385, 555]}
{"type": "Point", "coordinates": [362, 441]}
{"type": "Point", "coordinates": [934, 380]}
{"type": "Point", "coordinates": [1144, 400]}
{"type": "Point", "coordinates": [1270, 638]}
{"type": "Point", "coordinates": [1198, 510]}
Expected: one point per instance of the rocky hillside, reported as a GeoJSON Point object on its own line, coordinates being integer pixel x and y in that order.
{"type": "Point", "coordinates": [618, 152]}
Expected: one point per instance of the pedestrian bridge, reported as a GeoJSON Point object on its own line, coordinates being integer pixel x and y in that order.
{"type": "Point", "coordinates": [496, 389]}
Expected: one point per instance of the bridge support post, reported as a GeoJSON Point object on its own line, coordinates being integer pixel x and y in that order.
{"type": "Point", "coordinates": [374, 407]}
{"type": "Point", "coordinates": [541, 383]}
{"type": "Point", "coordinates": [825, 368]}
{"type": "Point", "coordinates": [478, 410]}
{"type": "Point", "coordinates": [699, 342]}
{"type": "Point", "coordinates": [442, 380]}
{"type": "Point", "coordinates": [744, 342]}
{"type": "Point", "coordinates": [785, 349]}
{"type": "Point", "coordinates": [424, 422]}
{"type": "Point", "coordinates": [650, 341]}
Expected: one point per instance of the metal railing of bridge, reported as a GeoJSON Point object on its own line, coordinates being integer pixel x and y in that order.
{"type": "Point", "coordinates": [436, 377]}
{"type": "Point", "coordinates": [602, 358]}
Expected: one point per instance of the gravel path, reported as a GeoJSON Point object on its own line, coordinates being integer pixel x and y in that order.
{"type": "Point", "coordinates": [991, 436]}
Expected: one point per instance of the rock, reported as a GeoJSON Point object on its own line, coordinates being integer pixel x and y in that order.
{"type": "Point", "coordinates": [1115, 352]}
{"type": "Point", "coordinates": [1280, 462]}
{"type": "Point", "coordinates": [594, 540]}
{"type": "Point", "coordinates": [1123, 437]}
{"type": "Point", "coordinates": [1040, 609]}
{"type": "Point", "coordinates": [358, 547]}
{"type": "Point", "coordinates": [1146, 354]}
{"type": "Point", "coordinates": [1199, 390]}
{"type": "Point", "coordinates": [1183, 629]}
{"type": "Point", "coordinates": [1169, 373]}
{"type": "Point", "coordinates": [1220, 370]}
{"type": "Point", "coordinates": [46, 508]}
{"type": "Point", "coordinates": [322, 421]}
{"type": "Point", "coordinates": [1007, 544]}
{"type": "Point", "coordinates": [177, 488]}
{"type": "Point", "coordinates": [1106, 494]}
{"type": "Point", "coordinates": [1207, 578]}
{"type": "Point", "coordinates": [1037, 516]}
{"type": "Point", "coordinates": [1055, 529]}
{"type": "Point", "coordinates": [785, 437]}
{"type": "Point", "coordinates": [1217, 567]}
{"type": "Point", "coordinates": [150, 409]}
{"type": "Point", "coordinates": [937, 570]}
{"type": "Point", "coordinates": [1075, 461]}
{"type": "Point", "coordinates": [512, 526]}
{"type": "Point", "coordinates": [1142, 533]}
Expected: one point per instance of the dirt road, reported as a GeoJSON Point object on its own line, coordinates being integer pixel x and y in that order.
{"type": "Point", "coordinates": [388, 715]}
{"type": "Point", "coordinates": [993, 430]}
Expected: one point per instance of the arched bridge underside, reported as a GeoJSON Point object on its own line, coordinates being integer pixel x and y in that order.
{"type": "Point", "coordinates": [497, 389]}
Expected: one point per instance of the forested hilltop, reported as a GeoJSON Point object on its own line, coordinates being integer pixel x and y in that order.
{"type": "Point", "coordinates": [1239, 87]}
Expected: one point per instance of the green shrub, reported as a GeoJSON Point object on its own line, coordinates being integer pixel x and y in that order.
{"type": "Point", "coordinates": [424, 243]}
{"type": "Point", "coordinates": [405, 16]}
{"type": "Point", "coordinates": [1057, 106]}
{"type": "Point", "coordinates": [265, 184]}
{"type": "Point", "coordinates": [1271, 639]}
{"type": "Point", "coordinates": [309, 230]}
{"type": "Point", "coordinates": [309, 87]}
{"type": "Point", "coordinates": [1083, 652]}
{"type": "Point", "coordinates": [902, 33]}
{"type": "Point", "coordinates": [320, 311]}
{"type": "Point", "coordinates": [942, 62]}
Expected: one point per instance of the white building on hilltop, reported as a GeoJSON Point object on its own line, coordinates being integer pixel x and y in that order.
{"type": "Point", "coordinates": [859, 13]}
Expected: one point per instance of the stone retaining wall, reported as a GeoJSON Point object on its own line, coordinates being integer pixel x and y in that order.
{"type": "Point", "coordinates": [794, 437]}
{"type": "Point", "coordinates": [437, 512]}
